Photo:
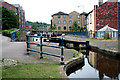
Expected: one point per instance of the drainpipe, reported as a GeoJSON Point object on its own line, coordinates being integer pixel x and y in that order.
{"type": "Point", "coordinates": [118, 17]}
{"type": "Point", "coordinates": [95, 18]}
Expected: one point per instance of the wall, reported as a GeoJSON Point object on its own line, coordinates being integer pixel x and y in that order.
{"type": "Point", "coordinates": [107, 14]}
{"type": "Point", "coordinates": [91, 21]}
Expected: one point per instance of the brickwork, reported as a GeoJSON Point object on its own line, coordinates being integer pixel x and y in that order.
{"type": "Point", "coordinates": [106, 14]}
{"type": "Point", "coordinates": [9, 6]}
{"type": "Point", "coordinates": [69, 19]}
{"type": "Point", "coordinates": [15, 8]}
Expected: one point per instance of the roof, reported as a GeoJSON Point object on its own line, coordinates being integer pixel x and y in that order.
{"type": "Point", "coordinates": [84, 13]}
{"type": "Point", "coordinates": [107, 28]}
{"type": "Point", "coordinates": [74, 12]}
{"type": "Point", "coordinates": [59, 13]}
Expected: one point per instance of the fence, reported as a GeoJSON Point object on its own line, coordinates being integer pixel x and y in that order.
{"type": "Point", "coordinates": [79, 33]}
{"type": "Point", "coordinates": [94, 34]}
{"type": "Point", "coordinates": [13, 34]}
{"type": "Point", "coordinates": [28, 35]}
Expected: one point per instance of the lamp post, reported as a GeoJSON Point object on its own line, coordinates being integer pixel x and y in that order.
{"type": "Point", "coordinates": [17, 18]}
{"type": "Point", "coordinates": [82, 7]}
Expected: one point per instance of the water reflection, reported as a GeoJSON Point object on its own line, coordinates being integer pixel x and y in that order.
{"type": "Point", "coordinates": [98, 66]}
{"type": "Point", "coordinates": [105, 65]}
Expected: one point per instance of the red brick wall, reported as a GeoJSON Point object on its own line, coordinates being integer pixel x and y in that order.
{"type": "Point", "coordinates": [9, 6]}
{"type": "Point", "coordinates": [107, 14]}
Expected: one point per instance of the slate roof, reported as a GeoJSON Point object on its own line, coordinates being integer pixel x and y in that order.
{"type": "Point", "coordinates": [59, 13]}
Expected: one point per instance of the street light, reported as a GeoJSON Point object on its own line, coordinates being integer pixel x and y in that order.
{"type": "Point", "coordinates": [82, 7]}
{"type": "Point", "coordinates": [17, 17]}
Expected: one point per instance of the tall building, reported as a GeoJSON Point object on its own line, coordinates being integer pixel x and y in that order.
{"type": "Point", "coordinates": [64, 21]}
{"type": "Point", "coordinates": [20, 13]}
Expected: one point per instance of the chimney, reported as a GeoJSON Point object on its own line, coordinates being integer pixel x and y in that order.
{"type": "Point", "coordinates": [100, 2]}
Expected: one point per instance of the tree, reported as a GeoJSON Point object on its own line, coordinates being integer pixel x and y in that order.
{"type": "Point", "coordinates": [74, 26]}
{"type": "Point", "coordinates": [52, 28]}
{"type": "Point", "coordinates": [9, 19]}
{"type": "Point", "coordinates": [34, 27]}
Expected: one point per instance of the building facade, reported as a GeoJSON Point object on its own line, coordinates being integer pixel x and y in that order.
{"type": "Point", "coordinates": [64, 21]}
{"type": "Point", "coordinates": [20, 13]}
{"type": "Point", "coordinates": [102, 15]}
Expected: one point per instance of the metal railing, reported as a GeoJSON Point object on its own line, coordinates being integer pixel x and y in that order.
{"type": "Point", "coordinates": [13, 34]}
{"type": "Point", "coordinates": [28, 36]}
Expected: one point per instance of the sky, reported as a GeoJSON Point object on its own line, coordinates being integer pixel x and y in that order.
{"type": "Point", "coordinates": [41, 10]}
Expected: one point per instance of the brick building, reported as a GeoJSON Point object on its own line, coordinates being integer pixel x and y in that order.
{"type": "Point", "coordinates": [106, 14]}
{"type": "Point", "coordinates": [65, 21]}
{"type": "Point", "coordinates": [18, 11]}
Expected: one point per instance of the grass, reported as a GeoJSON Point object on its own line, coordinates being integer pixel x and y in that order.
{"type": "Point", "coordinates": [31, 70]}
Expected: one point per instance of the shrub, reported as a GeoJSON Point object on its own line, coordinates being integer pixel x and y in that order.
{"type": "Point", "coordinates": [17, 34]}
{"type": "Point", "coordinates": [6, 33]}
{"type": "Point", "coordinates": [106, 36]}
{"type": "Point", "coordinates": [74, 54]}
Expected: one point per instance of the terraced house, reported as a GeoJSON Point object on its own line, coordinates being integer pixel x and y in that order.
{"type": "Point", "coordinates": [64, 21]}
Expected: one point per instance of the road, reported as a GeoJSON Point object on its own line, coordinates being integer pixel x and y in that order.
{"type": "Point", "coordinates": [17, 51]}
{"type": "Point", "coordinates": [105, 44]}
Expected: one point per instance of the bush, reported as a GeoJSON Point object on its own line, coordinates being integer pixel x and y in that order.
{"type": "Point", "coordinates": [17, 34]}
{"type": "Point", "coordinates": [6, 33]}
{"type": "Point", "coordinates": [106, 36]}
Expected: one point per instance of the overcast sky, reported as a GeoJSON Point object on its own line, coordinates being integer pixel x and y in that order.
{"type": "Point", "coordinates": [41, 10]}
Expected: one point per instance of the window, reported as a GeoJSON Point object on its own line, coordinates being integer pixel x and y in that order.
{"type": "Point", "coordinates": [64, 16]}
{"type": "Point", "coordinates": [79, 22]}
{"type": "Point", "coordinates": [64, 21]}
{"type": "Point", "coordinates": [70, 16]}
{"type": "Point", "coordinates": [59, 17]}
{"type": "Point", "coordinates": [78, 16]}
{"type": "Point", "coordinates": [70, 27]}
{"type": "Point", "coordinates": [59, 22]}
{"type": "Point", "coordinates": [70, 22]}
{"type": "Point", "coordinates": [10, 7]}
{"type": "Point", "coordinates": [59, 28]}
{"type": "Point", "coordinates": [64, 27]}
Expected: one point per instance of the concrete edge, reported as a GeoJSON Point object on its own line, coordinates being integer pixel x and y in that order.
{"type": "Point", "coordinates": [72, 62]}
{"type": "Point", "coordinates": [105, 51]}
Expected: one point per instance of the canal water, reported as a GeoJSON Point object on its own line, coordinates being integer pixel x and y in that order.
{"type": "Point", "coordinates": [99, 67]}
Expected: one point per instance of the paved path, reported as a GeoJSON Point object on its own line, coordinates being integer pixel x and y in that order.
{"type": "Point", "coordinates": [111, 45]}
{"type": "Point", "coordinates": [17, 51]}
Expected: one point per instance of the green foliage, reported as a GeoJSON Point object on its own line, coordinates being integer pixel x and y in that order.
{"type": "Point", "coordinates": [23, 28]}
{"type": "Point", "coordinates": [106, 36]}
{"type": "Point", "coordinates": [34, 27]}
{"type": "Point", "coordinates": [37, 24]}
{"type": "Point", "coordinates": [52, 28]}
{"type": "Point", "coordinates": [9, 19]}
{"type": "Point", "coordinates": [74, 26]}
{"type": "Point", "coordinates": [17, 34]}
{"type": "Point", "coordinates": [74, 54]}
{"type": "Point", "coordinates": [8, 32]}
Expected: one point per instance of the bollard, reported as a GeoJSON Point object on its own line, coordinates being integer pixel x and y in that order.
{"type": "Point", "coordinates": [87, 44]}
{"type": "Point", "coordinates": [28, 41]}
{"type": "Point", "coordinates": [41, 48]}
{"type": "Point", "coordinates": [62, 50]}
{"type": "Point", "coordinates": [28, 45]}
